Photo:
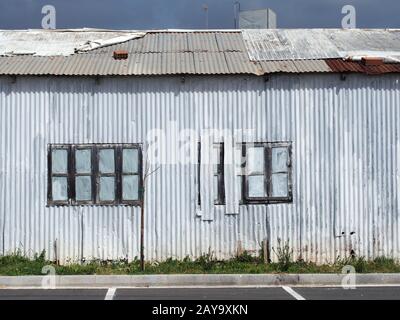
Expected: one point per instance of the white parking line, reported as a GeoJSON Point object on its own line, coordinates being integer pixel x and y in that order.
{"type": "Point", "coordinates": [110, 294]}
{"type": "Point", "coordinates": [293, 293]}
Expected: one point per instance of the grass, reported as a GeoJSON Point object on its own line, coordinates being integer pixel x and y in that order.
{"type": "Point", "coordinates": [18, 264]}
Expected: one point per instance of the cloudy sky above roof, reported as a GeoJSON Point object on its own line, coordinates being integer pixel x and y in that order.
{"type": "Point", "coordinates": [160, 14]}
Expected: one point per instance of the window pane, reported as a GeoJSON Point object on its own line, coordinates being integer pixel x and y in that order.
{"type": "Point", "coordinates": [215, 181]}
{"type": "Point", "coordinates": [255, 160]}
{"type": "Point", "coordinates": [60, 188]}
{"type": "Point", "coordinates": [83, 188]}
{"type": "Point", "coordinates": [256, 186]}
{"type": "Point", "coordinates": [279, 159]}
{"type": "Point", "coordinates": [130, 187]}
{"type": "Point", "coordinates": [280, 185]}
{"type": "Point", "coordinates": [216, 157]}
{"type": "Point", "coordinates": [130, 160]}
{"type": "Point", "coordinates": [107, 189]}
{"type": "Point", "coordinates": [83, 160]}
{"type": "Point", "coordinates": [106, 162]}
{"type": "Point", "coordinates": [59, 163]}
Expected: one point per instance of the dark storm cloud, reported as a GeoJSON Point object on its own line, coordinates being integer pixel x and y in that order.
{"type": "Point", "coordinates": [157, 14]}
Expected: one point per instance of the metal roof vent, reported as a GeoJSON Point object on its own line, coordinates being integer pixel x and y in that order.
{"type": "Point", "coordinates": [372, 61]}
{"type": "Point", "coordinates": [120, 54]}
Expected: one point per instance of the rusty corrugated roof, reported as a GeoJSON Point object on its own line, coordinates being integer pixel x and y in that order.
{"type": "Point", "coordinates": [184, 52]}
{"type": "Point", "coordinates": [339, 65]}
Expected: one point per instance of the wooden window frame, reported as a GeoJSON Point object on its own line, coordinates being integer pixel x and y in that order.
{"type": "Point", "coordinates": [221, 175]}
{"type": "Point", "coordinates": [115, 175]}
{"type": "Point", "coordinates": [95, 174]}
{"type": "Point", "coordinates": [50, 176]}
{"type": "Point", "coordinates": [138, 173]}
{"type": "Point", "coordinates": [268, 146]}
{"type": "Point", "coordinates": [75, 174]}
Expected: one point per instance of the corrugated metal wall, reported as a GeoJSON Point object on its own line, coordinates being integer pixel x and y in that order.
{"type": "Point", "coordinates": [346, 164]}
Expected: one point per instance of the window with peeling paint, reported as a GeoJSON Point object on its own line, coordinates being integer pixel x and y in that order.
{"type": "Point", "coordinates": [266, 174]}
{"type": "Point", "coordinates": [94, 174]}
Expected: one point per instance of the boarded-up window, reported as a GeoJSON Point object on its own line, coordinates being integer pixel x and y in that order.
{"type": "Point", "coordinates": [266, 172]}
{"type": "Point", "coordinates": [217, 150]}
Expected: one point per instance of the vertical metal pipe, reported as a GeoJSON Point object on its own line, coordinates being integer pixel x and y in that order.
{"type": "Point", "coordinates": [142, 231]}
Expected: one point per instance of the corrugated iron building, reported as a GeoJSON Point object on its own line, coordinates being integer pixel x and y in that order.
{"type": "Point", "coordinates": [331, 97]}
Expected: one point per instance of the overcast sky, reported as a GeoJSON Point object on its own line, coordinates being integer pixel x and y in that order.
{"type": "Point", "coordinates": [157, 14]}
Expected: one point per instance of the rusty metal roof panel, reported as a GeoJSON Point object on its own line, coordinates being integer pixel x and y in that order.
{"type": "Point", "coordinates": [209, 52]}
{"type": "Point", "coordinates": [339, 65]}
{"type": "Point", "coordinates": [176, 63]}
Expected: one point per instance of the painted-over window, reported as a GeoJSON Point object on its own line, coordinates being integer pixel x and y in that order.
{"type": "Point", "coordinates": [266, 174]}
{"type": "Point", "coordinates": [94, 174]}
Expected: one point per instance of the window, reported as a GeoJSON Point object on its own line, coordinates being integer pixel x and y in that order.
{"type": "Point", "coordinates": [218, 164]}
{"type": "Point", "coordinates": [266, 173]}
{"type": "Point", "coordinates": [94, 174]}
{"type": "Point", "coordinates": [218, 173]}
{"type": "Point", "coordinates": [84, 175]}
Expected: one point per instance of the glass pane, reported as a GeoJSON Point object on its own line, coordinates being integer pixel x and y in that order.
{"type": "Point", "coordinates": [83, 160]}
{"type": "Point", "coordinates": [216, 157]}
{"type": "Point", "coordinates": [130, 160]}
{"type": "Point", "coordinates": [279, 159]}
{"type": "Point", "coordinates": [255, 160]}
{"type": "Point", "coordinates": [59, 161]}
{"type": "Point", "coordinates": [280, 185]}
{"type": "Point", "coordinates": [106, 162]}
{"type": "Point", "coordinates": [215, 181]}
{"type": "Point", "coordinates": [107, 189]}
{"type": "Point", "coordinates": [60, 188]}
{"type": "Point", "coordinates": [83, 188]}
{"type": "Point", "coordinates": [130, 187]}
{"type": "Point", "coordinates": [256, 186]}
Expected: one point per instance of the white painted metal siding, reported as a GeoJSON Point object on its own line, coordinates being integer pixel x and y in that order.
{"type": "Point", "coordinates": [346, 164]}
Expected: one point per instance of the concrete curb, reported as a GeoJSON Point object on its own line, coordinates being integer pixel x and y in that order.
{"type": "Point", "coordinates": [140, 281]}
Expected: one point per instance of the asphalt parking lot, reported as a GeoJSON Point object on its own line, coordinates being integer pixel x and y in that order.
{"type": "Point", "coordinates": [226, 293]}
